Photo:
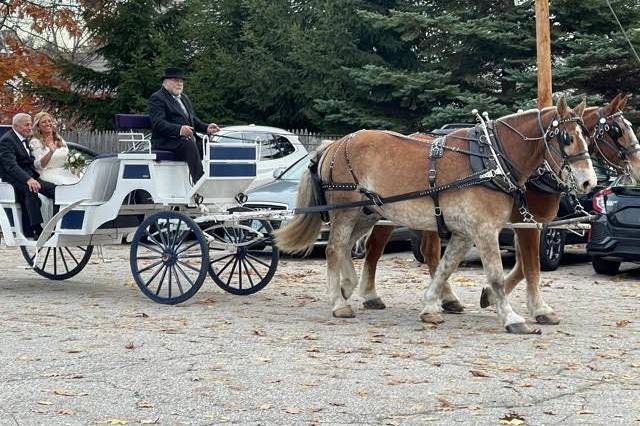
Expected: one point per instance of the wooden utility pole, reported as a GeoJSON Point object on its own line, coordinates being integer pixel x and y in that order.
{"type": "Point", "coordinates": [543, 40]}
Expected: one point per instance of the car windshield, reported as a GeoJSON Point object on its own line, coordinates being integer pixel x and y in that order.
{"type": "Point", "coordinates": [295, 171]}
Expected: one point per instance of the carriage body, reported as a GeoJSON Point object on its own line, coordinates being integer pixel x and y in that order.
{"type": "Point", "coordinates": [147, 194]}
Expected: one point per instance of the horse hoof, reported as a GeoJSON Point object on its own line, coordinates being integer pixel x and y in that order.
{"type": "Point", "coordinates": [452, 307]}
{"type": "Point", "coordinates": [344, 312]}
{"type": "Point", "coordinates": [522, 328]}
{"type": "Point", "coordinates": [432, 318]}
{"type": "Point", "coordinates": [484, 298]}
{"type": "Point", "coordinates": [548, 319]}
{"type": "Point", "coordinates": [376, 303]}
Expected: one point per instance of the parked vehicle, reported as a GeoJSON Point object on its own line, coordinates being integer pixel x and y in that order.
{"type": "Point", "coordinates": [278, 148]}
{"type": "Point", "coordinates": [281, 195]}
{"type": "Point", "coordinates": [615, 236]}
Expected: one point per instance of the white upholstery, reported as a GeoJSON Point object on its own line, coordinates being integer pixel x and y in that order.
{"type": "Point", "coordinates": [97, 184]}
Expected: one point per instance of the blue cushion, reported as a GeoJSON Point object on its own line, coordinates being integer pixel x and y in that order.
{"type": "Point", "coordinates": [133, 121]}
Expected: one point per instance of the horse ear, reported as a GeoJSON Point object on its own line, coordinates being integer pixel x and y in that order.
{"type": "Point", "coordinates": [579, 109]}
{"type": "Point", "coordinates": [562, 107]}
{"type": "Point", "coordinates": [624, 97]}
{"type": "Point", "coordinates": [613, 105]}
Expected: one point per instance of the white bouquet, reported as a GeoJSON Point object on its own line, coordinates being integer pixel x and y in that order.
{"type": "Point", "coordinates": [76, 162]}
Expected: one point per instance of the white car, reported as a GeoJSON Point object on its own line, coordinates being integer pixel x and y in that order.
{"type": "Point", "coordinates": [278, 150]}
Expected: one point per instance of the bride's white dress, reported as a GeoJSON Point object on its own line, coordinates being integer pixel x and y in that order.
{"type": "Point", "coordinates": [54, 171]}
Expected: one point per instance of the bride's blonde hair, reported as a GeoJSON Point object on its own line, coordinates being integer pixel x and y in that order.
{"type": "Point", "coordinates": [36, 129]}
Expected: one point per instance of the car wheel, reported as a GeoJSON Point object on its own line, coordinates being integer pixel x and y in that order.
{"type": "Point", "coordinates": [359, 250]}
{"type": "Point", "coordinates": [415, 248]}
{"type": "Point", "coordinates": [551, 249]}
{"type": "Point", "coordinates": [604, 266]}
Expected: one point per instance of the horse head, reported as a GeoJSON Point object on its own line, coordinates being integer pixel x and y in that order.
{"type": "Point", "coordinates": [613, 138]}
{"type": "Point", "coordinates": [567, 146]}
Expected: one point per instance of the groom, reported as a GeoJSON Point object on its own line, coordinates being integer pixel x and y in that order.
{"type": "Point", "coordinates": [16, 168]}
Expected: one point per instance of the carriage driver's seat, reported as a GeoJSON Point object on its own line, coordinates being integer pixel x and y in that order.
{"type": "Point", "coordinates": [133, 129]}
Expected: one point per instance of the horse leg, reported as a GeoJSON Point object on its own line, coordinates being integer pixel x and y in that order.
{"type": "Point", "coordinates": [529, 242]}
{"type": "Point", "coordinates": [349, 276]}
{"type": "Point", "coordinates": [430, 248]}
{"type": "Point", "coordinates": [337, 252]}
{"type": "Point", "coordinates": [456, 249]}
{"type": "Point", "coordinates": [492, 264]}
{"type": "Point", "coordinates": [375, 247]}
{"type": "Point", "coordinates": [487, 298]}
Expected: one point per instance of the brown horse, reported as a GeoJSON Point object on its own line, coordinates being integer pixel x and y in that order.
{"type": "Point", "coordinates": [617, 148]}
{"type": "Point", "coordinates": [382, 164]}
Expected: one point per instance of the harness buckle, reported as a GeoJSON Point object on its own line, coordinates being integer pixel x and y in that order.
{"type": "Point", "coordinates": [432, 175]}
{"type": "Point", "coordinates": [437, 211]}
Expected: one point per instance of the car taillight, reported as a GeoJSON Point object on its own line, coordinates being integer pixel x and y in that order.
{"type": "Point", "coordinates": [598, 203]}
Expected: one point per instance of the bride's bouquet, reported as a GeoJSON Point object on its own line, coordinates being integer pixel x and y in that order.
{"type": "Point", "coordinates": [75, 162]}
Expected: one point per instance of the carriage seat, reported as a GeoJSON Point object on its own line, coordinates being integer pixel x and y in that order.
{"type": "Point", "coordinates": [96, 185]}
{"type": "Point", "coordinates": [7, 194]}
{"type": "Point", "coordinates": [163, 155]}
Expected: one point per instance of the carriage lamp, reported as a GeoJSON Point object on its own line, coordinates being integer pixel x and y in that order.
{"type": "Point", "coordinates": [241, 197]}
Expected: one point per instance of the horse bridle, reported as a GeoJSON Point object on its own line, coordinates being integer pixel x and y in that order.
{"type": "Point", "coordinates": [608, 124]}
{"type": "Point", "coordinates": [561, 134]}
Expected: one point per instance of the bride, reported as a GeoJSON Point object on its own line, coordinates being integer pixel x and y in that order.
{"type": "Point", "coordinates": [50, 151]}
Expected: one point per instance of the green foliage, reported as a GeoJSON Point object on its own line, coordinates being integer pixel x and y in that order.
{"type": "Point", "coordinates": [341, 65]}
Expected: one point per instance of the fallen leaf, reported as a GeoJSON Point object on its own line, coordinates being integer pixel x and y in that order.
{"type": "Point", "coordinates": [150, 421]}
{"type": "Point", "coordinates": [478, 373]}
{"type": "Point", "coordinates": [622, 323]}
{"type": "Point", "coordinates": [265, 406]}
{"type": "Point", "coordinates": [142, 315]}
{"type": "Point", "coordinates": [310, 336]}
{"type": "Point", "coordinates": [66, 412]}
{"type": "Point", "coordinates": [361, 392]}
{"type": "Point", "coordinates": [45, 402]}
{"type": "Point", "coordinates": [130, 345]}
{"type": "Point", "coordinates": [292, 410]}
{"type": "Point", "coordinates": [512, 419]}
{"type": "Point", "coordinates": [117, 422]}
{"type": "Point", "coordinates": [444, 403]}
{"type": "Point", "coordinates": [337, 403]}
{"type": "Point", "coordinates": [144, 404]}
{"type": "Point", "coordinates": [259, 332]}
{"type": "Point", "coordinates": [68, 392]}
{"type": "Point", "coordinates": [74, 351]}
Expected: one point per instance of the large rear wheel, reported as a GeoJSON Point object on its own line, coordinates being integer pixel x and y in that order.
{"type": "Point", "coordinates": [169, 257]}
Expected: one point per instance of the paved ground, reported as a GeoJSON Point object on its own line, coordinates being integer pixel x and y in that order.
{"type": "Point", "coordinates": [93, 350]}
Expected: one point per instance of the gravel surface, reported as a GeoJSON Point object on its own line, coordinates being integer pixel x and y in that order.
{"type": "Point", "coordinates": [94, 350]}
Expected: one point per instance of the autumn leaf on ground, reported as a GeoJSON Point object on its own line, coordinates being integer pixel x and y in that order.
{"type": "Point", "coordinates": [512, 419]}
{"type": "Point", "coordinates": [265, 406]}
{"type": "Point", "coordinates": [68, 392]}
{"type": "Point", "coordinates": [361, 392]}
{"type": "Point", "coordinates": [259, 332]}
{"type": "Point", "coordinates": [150, 421]}
{"type": "Point", "coordinates": [144, 404]}
{"type": "Point", "coordinates": [444, 403]}
{"type": "Point", "coordinates": [478, 373]}
{"type": "Point", "coordinates": [622, 323]}
{"type": "Point", "coordinates": [66, 412]}
{"type": "Point", "coordinates": [293, 410]}
{"type": "Point", "coordinates": [117, 422]}
{"type": "Point", "coordinates": [45, 402]}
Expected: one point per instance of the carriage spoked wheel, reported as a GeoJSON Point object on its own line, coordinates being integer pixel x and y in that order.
{"type": "Point", "coordinates": [58, 263]}
{"type": "Point", "coordinates": [242, 257]}
{"type": "Point", "coordinates": [169, 257]}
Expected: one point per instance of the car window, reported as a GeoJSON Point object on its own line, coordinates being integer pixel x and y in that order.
{"type": "Point", "coordinates": [295, 171]}
{"type": "Point", "coordinates": [271, 146]}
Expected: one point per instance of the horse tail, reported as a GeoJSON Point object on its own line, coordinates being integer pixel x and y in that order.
{"type": "Point", "coordinates": [298, 235]}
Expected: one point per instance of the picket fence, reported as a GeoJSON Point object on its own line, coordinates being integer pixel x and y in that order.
{"type": "Point", "coordinates": [109, 141]}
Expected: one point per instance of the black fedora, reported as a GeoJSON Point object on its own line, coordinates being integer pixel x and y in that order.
{"type": "Point", "coordinates": [177, 73]}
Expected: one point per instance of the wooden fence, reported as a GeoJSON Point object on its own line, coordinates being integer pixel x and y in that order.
{"type": "Point", "coordinates": [108, 140]}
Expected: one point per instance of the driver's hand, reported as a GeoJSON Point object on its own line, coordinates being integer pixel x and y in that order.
{"type": "Point", "coordinates": [186, 131]}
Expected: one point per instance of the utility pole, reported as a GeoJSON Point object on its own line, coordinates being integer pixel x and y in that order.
{"type": "Point", "coordinates": [543, 42]}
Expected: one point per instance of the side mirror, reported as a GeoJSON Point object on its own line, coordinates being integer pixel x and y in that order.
{"type": "Point", "coordinates": [278, 172]}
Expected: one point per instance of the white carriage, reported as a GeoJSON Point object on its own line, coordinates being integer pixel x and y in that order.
{"type": "Point", "coordinates": [180, 232]}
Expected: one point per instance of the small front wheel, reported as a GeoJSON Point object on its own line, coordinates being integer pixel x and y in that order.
{"type": "Point", "coordinates": [58, 263]}
{"type": "Point", "coordinates": [169, 257]}
{"type": "Point", "coordinates": [551, 249]}
{"type": "Point", "coordinates": [243, 257]}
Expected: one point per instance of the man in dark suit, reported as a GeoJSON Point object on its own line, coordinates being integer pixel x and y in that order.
{"type": "Point", "coordinates": [16, 168]}
{"type": "Point", "coordinates": [174, 123]}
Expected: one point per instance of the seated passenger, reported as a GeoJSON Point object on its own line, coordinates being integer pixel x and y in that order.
{"type": "Point", "coordinates": [16, 168]}
{"type": "Point", "coordinates": [50, 152]}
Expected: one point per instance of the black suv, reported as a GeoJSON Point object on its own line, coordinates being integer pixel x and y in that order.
{"type": "Point", "coordinates": [615, 236]}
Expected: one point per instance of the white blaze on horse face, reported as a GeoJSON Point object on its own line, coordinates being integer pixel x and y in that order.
{"type": "Point", "coordinates": [629, 141]}
{"type": "Point", "coordinates": [582, 171]}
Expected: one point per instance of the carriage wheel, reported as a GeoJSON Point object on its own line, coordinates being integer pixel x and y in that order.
{"type": "Point", "coordinates": [242, 258]}
{"type": "Point", "coordinates": [169, 257]}
{"type": "Point", "coordinates": [58, 263]}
